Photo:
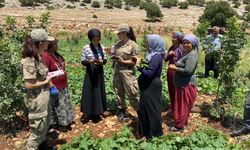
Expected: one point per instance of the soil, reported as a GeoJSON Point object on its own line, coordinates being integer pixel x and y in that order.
{"type": "Point", "coordinates": [109, 125]}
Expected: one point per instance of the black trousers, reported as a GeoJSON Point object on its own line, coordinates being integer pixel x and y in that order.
{"type": "Point", "coordinates": [211, 63]}
{"type": "Point", "coordinates": [246, 117]}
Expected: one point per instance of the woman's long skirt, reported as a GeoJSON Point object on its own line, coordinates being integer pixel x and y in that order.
{"type": "Point", "coordinates": [184, 98]}
{"type": "Point", "coordinates": [93, 100]}
{"type": "Point", "coordinates": [150, 108]}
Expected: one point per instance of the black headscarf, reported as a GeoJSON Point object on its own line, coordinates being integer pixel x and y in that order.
{"type": "Point", "coordinates": [92, 34]}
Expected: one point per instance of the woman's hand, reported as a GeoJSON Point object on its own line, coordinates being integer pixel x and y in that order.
{"type": "Point", "coordinates": [48, 78]}
{"type": "Point", "coordinates": [120, 60]}
{"type": "Point", "coordinates": [172, 67]}
{"type": "Point", "coordinates": [91, 61]}
{"type": "Point", "coordinates": [100, 62]}
{"type": "Point", "coordinates": [108, 51]}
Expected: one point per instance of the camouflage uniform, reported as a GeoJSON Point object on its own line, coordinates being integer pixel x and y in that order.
{"type": "Point", "coordinates": [124, 77]}
{"type": "Point", "coordinates": [37, 101]}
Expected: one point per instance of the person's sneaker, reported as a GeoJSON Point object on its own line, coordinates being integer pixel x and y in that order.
{"type": "Point", "coordinates": [242, 131]}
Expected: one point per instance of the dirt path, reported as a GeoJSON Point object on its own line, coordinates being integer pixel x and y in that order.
{"type": "Point", "coordinates": [109, 125]}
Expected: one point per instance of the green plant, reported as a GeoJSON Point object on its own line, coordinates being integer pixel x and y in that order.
{"type": "Point", "coordinates": [200, 3]}
{"type": "Point", "coordinates": [201, 30]}
{"type": "Point", "coordinates": [204, 138]}
{"type": "Point", "coordinates": [233, 42]}
{"type": "Point", "coordinates": [72, 1]}
{"type": "Point", "coordinates": [82, 3]}
{"type": "Point", "coordinates": [246, 1]}
{"type": "Point", "coordinates": [11, 98]}
{"type": "Point", "coordinates": [94, 16]}
{"type": "Point", "coordinates": [30, 21]}
{"type": "Point", "coordinates": [127, 7]}
{"type": "Point", "coordinates": [236, 4]}
{"type": "Point", "coordinates": [44, 20]}
{"type": "Point", "coordinates": [96, 4]}
{"type": "Point", "coordinates": [11, 23]}
{"type": "Point", "coordinates": [87, 1]}
{"type": "Point", "coordinates": [183, 5]}
{"type": "Point", "coordinates": [247, 8]}
{"type": "Point", "coordinates": [216, 13]}
{"type": "Point", "coordinates": [207, 86]}
{"type": "Point", "coordinates": [153, 12]}
{"type": "Point", "coordinates": [2, 3]}
{"type": "Point", "coordinates": [27, 2]}
{"type": "Point", "coordinates": [117, 3]}
{"type": "Point", "coordinates": [247, 17]}
{"type": "Point", "coordinates": [169, 3]}
{"type": "Point", "coordinates": [108, 4]}
{"type": "Point", "coordinates": [133, 3]}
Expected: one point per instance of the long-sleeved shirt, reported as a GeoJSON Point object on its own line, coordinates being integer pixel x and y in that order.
{"type": "Point", "coordinates": [214, 41]}
{"type": "Point", "coordinates": [154, 68]}
{"type": "Point", "coordinates": [186, 66]}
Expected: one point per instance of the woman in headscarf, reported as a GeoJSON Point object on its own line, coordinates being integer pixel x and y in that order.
{"type": "Point", "coordinates": [93, 102]}
{"type": "Point", "coordinates": [151, 88]}
{"type": "Point", "coordinates": [185, 82]}
{"type": "Point", "coordinates": [175, 52]}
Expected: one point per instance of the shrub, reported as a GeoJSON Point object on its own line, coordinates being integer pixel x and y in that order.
{"type": "Point", "coordinates": [96, 4]}
{"type": "Point", "coordinates": [183, 5]}
{"type": "Point", "coordinates": [2, 3]}
{"type": "Point", "coordinates": [94, 16]}
{"type": "Point", "coordinates": [247, 8]}
{"type": "Point", "coordinates": [72, 1]}
{"type": "Point", "coordinates": [142, 4]}
{"type": "Point", "coordinates": [108, 4]}
{"type": "Point", "coordinates": [153, 12]}
{"type": "Point", "coordinates": [127, 7]}
{"type": "Point", "coordinates": [82, 3]}
{"type": "Point", "coordinates": [236, 4]}
{"type": "Point", "coordinates": [133, 3]}
{"type": "Point", "coordinates": [216, 13]}
{"type": "Point", "coordinates": [200, 3]}
{"type": "Point", "coordinates": [27, 2]}
{"type": "Point", "coordinates": [11, 98]}
{"type": "Point", "coordinates": [169, 3]}
{"type": "Point", "coordinates": [202, 29]}
{"type": "Point", "coordinates": [87, 1]}
{"type": "Point", "coordinates": [117, 3]}
{"type": "Point", "coordinates": [246, 1]}
{"type": "Point", "coordinates": [247, 17]}
{"type": "Point", "coordinates": [31, 2]}
{"type": "Point", "coordinates": [44, 20]}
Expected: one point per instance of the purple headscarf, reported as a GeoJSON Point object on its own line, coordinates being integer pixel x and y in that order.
{"type": "Point", "coordinates": [179, 36]}
{"type": "Point", "coordinates": [156, 45]}
{"type": "Point", "coordinates": [193, 40]}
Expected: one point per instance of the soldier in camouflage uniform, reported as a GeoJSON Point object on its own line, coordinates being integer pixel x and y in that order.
{"type": "Point", "coordinates": [125, 55]}
{"type": "Point", "coordinates": [37, 86]}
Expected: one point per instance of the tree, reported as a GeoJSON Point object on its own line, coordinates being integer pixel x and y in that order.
{"type": "Point", "coordinates": [153, 12]}
{"type": "Point", "coordinates": [169, 3]}
{"type": "Point", "coordinates": [216, 13]}
{"type": "Point", "coordinates": [232, 42]}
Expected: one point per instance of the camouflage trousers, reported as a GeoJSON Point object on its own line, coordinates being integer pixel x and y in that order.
{"type": "Point", "coordinates": [39, 117]}
{"type": "Point", "coordinates": [125, 82]}
{"type": "Point", "coordinates": [62, 109]}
